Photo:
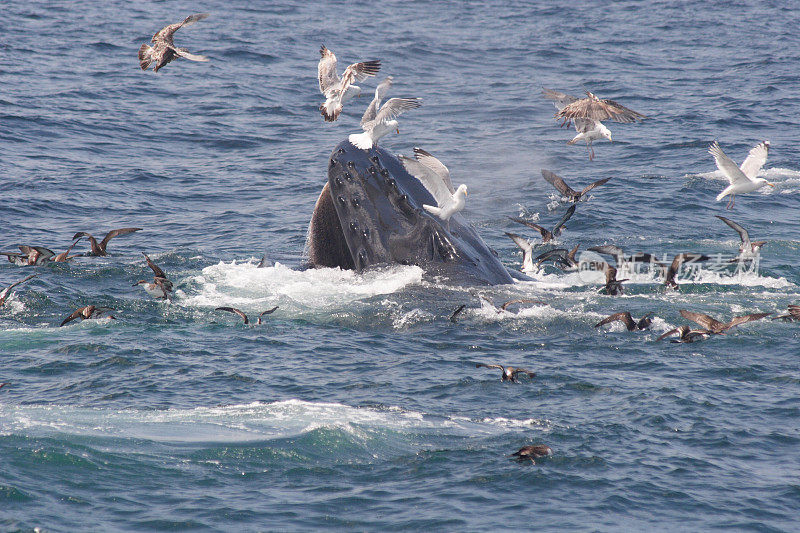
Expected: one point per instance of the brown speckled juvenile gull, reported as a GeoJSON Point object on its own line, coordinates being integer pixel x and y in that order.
{"type": "Point", "coordinates": [163, 50]}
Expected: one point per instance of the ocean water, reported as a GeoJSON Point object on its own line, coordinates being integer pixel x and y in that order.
{"type": "Point", "coordinates": [357, 405]}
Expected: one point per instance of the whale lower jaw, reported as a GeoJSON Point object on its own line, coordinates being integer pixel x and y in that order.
{"type": "Point", "coordinates": [370, 212]}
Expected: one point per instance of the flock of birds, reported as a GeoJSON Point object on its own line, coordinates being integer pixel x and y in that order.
{"type": "Point", "coordinates": [380, 118]}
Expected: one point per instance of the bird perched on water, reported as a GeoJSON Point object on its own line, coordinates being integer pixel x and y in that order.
{"type": "Point", "coordinates": [626, 318]}
{"type": "Point", "coordinates": [531, 452]}
{"type": "Point", "coordinates": [163, 50]}
{"type": "Point", "coordinates": [547, 235]}
{"type": "Point", "coordinates": [562, 187]}
{"type": "Point", "coordinates": [337, 90]}
{"type": "Point", "coordinates": [378, 120]}
{"type": "Point", "coordinates": [31, 255]}
{"type": "Point", "coordinates": [64, 256]}
{"type": "Point", "coordinates": [686, 334]}
{"type": "Point", "coordinates": [99, 248]}
{"type": "Point", "coordinates": [244, 316]}
{"type": "Point", "coordinates": [5, 293]}
{"type": "Point", "coordinates": [587, 114]}
{"type": "Point", "coordinates": [675, 266]}
{"type": "Point", "coordinates": [435, 177]}
{"type": "Point", "coordinates": [748, 248]}
{"type": "Point", "coordinates": [742, 179]}
{"type": "Point", "coordinates": [715, 326]}
{"type": "Point", "coordinates": [792, 315]}
{"type": "Point", "coordinates": [88, 312]}
{"type": "Point", "coordinates": [161, 286]}
{"type": "Point", "coordinates": [613, 286]}
{"type": "Point", "coordinates": [509, 372]}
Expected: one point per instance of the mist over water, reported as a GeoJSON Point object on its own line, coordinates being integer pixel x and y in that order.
{"type": "Point", "coordinates": [357, 404]}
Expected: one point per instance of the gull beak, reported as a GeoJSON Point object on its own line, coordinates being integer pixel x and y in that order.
{"type": "Point", "coordinates": [398, 130]}
{"type": "Point", "coordinates": [771, 184]}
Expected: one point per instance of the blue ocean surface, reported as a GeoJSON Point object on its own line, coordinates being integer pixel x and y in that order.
{"type": "Point", "coordinates": [357, 404]}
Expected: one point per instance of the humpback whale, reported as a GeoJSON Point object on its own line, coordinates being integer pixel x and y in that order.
{"type": "Point", "coordinates": [370, 212]}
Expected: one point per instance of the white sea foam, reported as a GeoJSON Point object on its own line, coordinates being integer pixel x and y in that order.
{"type": "Point", "coordinates": [239, 423]}
{"type": "Point", "coordinates": [250, 288]}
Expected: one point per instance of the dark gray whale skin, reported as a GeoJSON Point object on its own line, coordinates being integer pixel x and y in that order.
{"type": "Point", "coordinates": [379, 208]}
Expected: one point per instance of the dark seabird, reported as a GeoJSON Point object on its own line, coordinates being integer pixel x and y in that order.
{"type": "Point", "coordinates": [505, 305]}
{"type": "Point", "coordinates": [244, 316]}
{"type": "Point", "coordinates": [337, 90]}
{"type": "Point", "coordinates": [748, 248]}
{"type": "Point", "coordinates": [5, 293]}
{"type": "Point", "coordinates": [532, 452]}
{"type": "Point", "coordinates": [565, 259]}
{"type": "Point", "coordinates": [88, 312]}
{"type": "Point", "coordinates": [161, 286]}
{"type": "Point", "coordinates": [64, 256]}
{"type": "Point", "coordinates": [100, 248]}
{"type": "Point", "coordinates": [619, 256]}
{"type": "Point", "coordinates": [547, 235]}
{"type": "Point", "coordinates": [457, 312]}
{"type": "Point", "coordinates": [626, 318]}
{"type": "Point", "coordinates": [509, 372]}
{"type": "Point", "coordinates": [565, 190]}
{"type": "Point", "coordinates": [717, 327]}
{"type": "Point", "coordinates": [687, 334]}
{"type": "Point", "coordinates": [31, 255]}
{"type": "Point", "coordinates": [675, 266]}
{"type": "Point", "coordinates": [163, 50]}
{"type": "Point", "coordinates": [793, 314]}
{"type": "Point", "coordinates": [613, 286]}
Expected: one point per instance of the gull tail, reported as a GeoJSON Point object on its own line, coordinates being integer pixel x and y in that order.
{"type": "Point", "coordinates": [330, 110]}
{"type": "Point", "coordinates": [363, 141]}
{"type": "Point", "coordinates": [436, 211]}
{"type": "Point", "coordinates": [144, 56]}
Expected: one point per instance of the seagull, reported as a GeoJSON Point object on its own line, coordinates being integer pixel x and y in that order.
{"type": "Point", "coordinates": [743, 179]}
{"type": "Point", "coordinates": [161, 286]}
{"type": "Point", "coordinates": [435, 177]}
{"type": "Point", "coordinates": [675, 266]}
{"type": "Point", "coordinates": [88, 312]}
{"type": "Point", "coordinates": [565, 190]}
{"type": "Point", "coordinates": [613, 286]}
{"type": "Point", "coordinates": [626, 318]}
{"type": "Point", "coordinates": [457, 312]}
{"type": "Point", "coordinates": [163, 50]}
{"type": "Point", "coordinates": [244, 316]}
{"type": "Point", "coordinates": [793, 314]}
{"type": "Point", "coordinates": [378, 122]}
{"type": "Point", "coordinates": [686, 334]}
{"type": "Point", "coordinates": [31, 255]}
{"type": "Point", "coordinates": [339, 90]}
{"type": "Point", "coordinates": [565, 259]}
{"type": "Point", "coordinates": [587, 114]}
{"type": "Point", "coordinates": [715, 326]}
{"type": "Point", "coordinates": [99, 249]}
{"type": "Point", "coordinates": [547, 236]}
{"type": "Point", "coordinates": [5, 293]}
{"type": "Point", "coordinates": [532, 452]}
{"type": "Point", "coordinates": [748, 248]}
{"type": "Point", "coordinates": [509, 372]}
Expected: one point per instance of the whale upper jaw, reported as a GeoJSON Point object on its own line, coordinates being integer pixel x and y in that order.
{"type": "Point", "coordinates": [378, 207]}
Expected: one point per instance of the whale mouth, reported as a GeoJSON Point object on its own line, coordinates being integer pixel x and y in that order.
{"type": "Point", "coordinates": [370, 212]}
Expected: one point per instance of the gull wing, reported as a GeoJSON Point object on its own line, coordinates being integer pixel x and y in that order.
{"type": "Point", "coordinates": [559, 99]}
{"type": "Point", "coordinates": [380, 94]}
{"type": "Point", "coordinates": [523, 243]}
{"type": "Point", "coordinates": [182, 52]}
{"type": "Point", "coordinates": [740, 230]}
{"type": "Point", "coordinates": [359, 72]}
{"type": "Point", "coordinates": [437, 166]}
{"type": "Point", "coordinates": [704, 321]}
{"type": "Point", "coordinates": [567, 216]}
{"type": "Point", "coordinates": [393, 108]}
{"type": "Point", "coordinates": [429, 179]}
{"type": "Point", "coordinates": [755, 159]}
{"type": "Point", "coordinates": [326, 70]}
{"type": "Point", "coordinates": [727, 166]}
{"type": "Point", "coordinates": [585, 125]}
{"type": "Point", "coordinates": [597, 109]}
{"type": "Point", "coordinates": [558, 183]}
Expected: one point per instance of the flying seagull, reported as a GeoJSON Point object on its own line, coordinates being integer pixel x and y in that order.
{"type": "Point", "coordinates": [161, 287]}
{"type": "Point", "coordinates": [675, 266]}
{"type": "Point", "coordinates": [565, 190]}
{"type": "Point", "coordinates": [163, 50]}
{"type": "Point", "coordinates": [509, 372]}
{"type": "Point", "coordinates": [715, 326]}
{"type": "Point", "coordinates": [88, 312]}
{"type": "Point", "coordinates": [547, 235]}
{"type": "Point", "coordinates": [337, 90]}
{"type": "Point", "coordinates": [531, 452]}
{"type": "Point", "coordinates": [5, 293]}
{"type": "Point", "coordinates": [742, 179]}
{"type": "Point", "coordinates": [747, 248]}
{"type": "Point", "coordinates": [435, 177]}
{"type": "Point", "coordinates": [626, 318]}
{"type": "Point", "coordinates": [244, 316]}
{"type": "Point", "coordinates": [378, 122]}
{"type": "Point", "coordinates": [792, 315]}
{"type": "Point", "coordinates": [99, 248]}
